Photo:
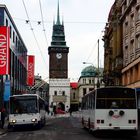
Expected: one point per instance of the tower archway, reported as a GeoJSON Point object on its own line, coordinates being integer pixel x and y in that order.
{"type": "Point", "coordinates": [61, 105]}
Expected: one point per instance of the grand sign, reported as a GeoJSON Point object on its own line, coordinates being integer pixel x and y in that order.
{"type": "Point", "coordinates": [4, 50]}
{"type": "Point", "coordinates": [30, 70]}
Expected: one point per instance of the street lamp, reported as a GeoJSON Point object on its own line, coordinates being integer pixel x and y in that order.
{"type": "Point", "coordinates": [88, 63]}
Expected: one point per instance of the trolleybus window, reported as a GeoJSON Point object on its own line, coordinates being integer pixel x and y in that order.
{"type": "Point", "coordinates": [119, 97]}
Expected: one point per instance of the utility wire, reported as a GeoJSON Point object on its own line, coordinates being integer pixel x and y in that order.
{"type": "Point", "coordinates": [91, 52]}
{"type": "Point", "coordinates": [73, 22]}
{"type": "Point", "coordinates": [33, 31]}
{"type": "Point", "coordinates": [42, 19]}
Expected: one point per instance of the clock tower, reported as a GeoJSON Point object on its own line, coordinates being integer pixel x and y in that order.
{"type": "Point", "coordinates": [58, 51]}
{"type": "Point", "coordinates": [59, 83]}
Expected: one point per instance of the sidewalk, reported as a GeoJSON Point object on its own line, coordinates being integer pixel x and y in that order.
{"type": "Point", "coordinates": [5, 129]}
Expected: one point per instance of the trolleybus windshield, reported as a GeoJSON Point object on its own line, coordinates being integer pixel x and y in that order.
{"type": "Point", "coordinates": [23, 105]}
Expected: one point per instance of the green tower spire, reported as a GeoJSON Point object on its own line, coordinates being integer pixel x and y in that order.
{"type": "Point", "coordinates": [58, 17]}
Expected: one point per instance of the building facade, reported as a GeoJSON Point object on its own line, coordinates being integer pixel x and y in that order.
{"type": "Point", "coordinates": [18, 57]}
{"type": "Point", "coordinates": [59, 83]}
{"type": "Point", "coordinates": [88, 81]}
{"type": "Point", "coordinates": [113, 52]}
{"type": "Point", "coordinates": [130, 20]}
{"type": "Point", "coordinates": [122, 40]}
{"type": "Point", "coordinates": [41, 87]}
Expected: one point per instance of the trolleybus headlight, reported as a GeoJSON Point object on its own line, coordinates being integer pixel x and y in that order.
{"type": "Point", "coordinates": [34, 120]}
{"type": "Point", "coordinates": [13, 121]}
{"type": "Point", "coordinates": [111, 113]}
{"type": "Point", "coordinates": [121, 113]}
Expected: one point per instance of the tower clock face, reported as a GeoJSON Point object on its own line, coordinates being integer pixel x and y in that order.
{"type": "Point", "coordinates": [58, 55]}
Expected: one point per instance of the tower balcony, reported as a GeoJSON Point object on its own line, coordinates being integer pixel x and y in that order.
{"type": "Point", "coordinates": [59, 98]}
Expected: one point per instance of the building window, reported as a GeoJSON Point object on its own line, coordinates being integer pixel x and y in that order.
{"type": "Point", "coordinates": [74, 95]}
{"type": "Point", "coordinates": [63, 93]}
{"type": "Point", "coordinates": [6, 22]}
{"type": "Point", "coordinates": [10, 31]}
{"type": "Point", "coordinates": [126, 27]}
{"type": "Point", "coordinates": [16, 41]}
{"type": "Point", "coordinates": [138, 41]}
{"type": "Point", "coordinates": [55, 93]}
{"type": "Point", "coordinates": [126, 52]}
{"type": "Point", "coordinates": [138, 14]}
{"type": "Point", "coordinates": [132, 47]}
{"type": "Point", "coordinates": [84, 81]}
{"type": "Point", "coordinates": [90, 89]}
{"type": "Point", "coordinates": [84, 91]}
{"type": "Point", "coordinates": [13, 36]}
{"type": "Point", "coordinates": [132, 23]}
{"type": "Point", "coordinates": [136, 73]}
{"type": "Point", "coordinates": [89, 81]}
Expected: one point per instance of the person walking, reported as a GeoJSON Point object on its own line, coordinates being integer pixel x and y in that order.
{"type": "Point", "coordinates": [3, 115]}
{"type": "Point", "coordinates": [70, 111]}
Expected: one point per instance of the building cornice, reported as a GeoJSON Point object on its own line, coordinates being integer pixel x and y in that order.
{"type": "Point", "coordinates": [136, 61]}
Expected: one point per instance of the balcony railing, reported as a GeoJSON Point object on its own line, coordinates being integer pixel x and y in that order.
{"type": "Point", "coordinates": [137, 51]}
{"type": "Point", "coordinates": [132, 57]}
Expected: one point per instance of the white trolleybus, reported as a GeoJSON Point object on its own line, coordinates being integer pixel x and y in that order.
{"type": "Point", "coordinates": [110, 108]}
{"type": "Point", "coordinates": [26, 109]}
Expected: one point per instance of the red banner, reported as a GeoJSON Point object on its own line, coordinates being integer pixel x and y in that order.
{"type": "Point", "coordinates": [30, 70]}
{"type": "Point", "coordinates": [4, 50]}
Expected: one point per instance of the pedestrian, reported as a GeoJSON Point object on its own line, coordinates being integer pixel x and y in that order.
{"type": "Point", "coordinates": [70, 111]}
{"type": "Point", "coordinates": [54, 110]}
{"type": "Point", "coordinates": [3, 115]}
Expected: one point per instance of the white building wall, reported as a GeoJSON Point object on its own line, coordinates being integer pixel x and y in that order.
{"type": "Point", "coordinates": [84, 83]}
{"type": "Point", "coordinates": [59, 85]}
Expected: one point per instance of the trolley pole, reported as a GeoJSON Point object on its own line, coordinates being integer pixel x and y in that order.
{"type": "Point", "coordinates": [98, 82]}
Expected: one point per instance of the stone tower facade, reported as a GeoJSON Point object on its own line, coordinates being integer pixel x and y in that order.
{"type": "Point", "coordinates": [59, 83]}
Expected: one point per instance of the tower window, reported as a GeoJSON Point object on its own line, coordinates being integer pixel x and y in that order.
{"type": "Point", "coordinates": [55, 93]}
{"type": "Point", "coordinates": [63, 93]}
{"type": "Point", "coordinates": [74, 95]}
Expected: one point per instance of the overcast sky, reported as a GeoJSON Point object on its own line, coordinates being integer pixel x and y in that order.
{"type": "Point", "coordinates": [84, 22]}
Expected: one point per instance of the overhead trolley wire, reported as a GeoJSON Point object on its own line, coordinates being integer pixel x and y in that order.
{"type": "Point", "coordinates": [33, 32]}
{"type": "Point", "coordinates": [42, 19]}
{"type": "Point", "coordinates": [71, 22]}
{"type": "Point", "coordinates": [91, 52]}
